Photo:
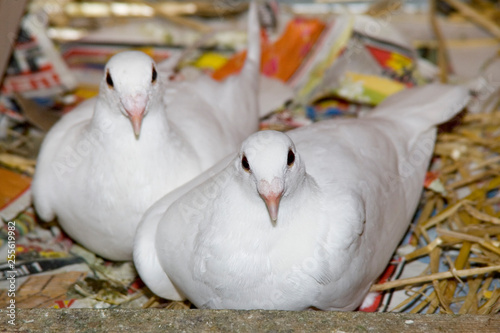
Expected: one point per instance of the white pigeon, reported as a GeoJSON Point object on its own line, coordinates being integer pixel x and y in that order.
{"type": "Point", "coordinates": [103, 165]}
{"type": "Point", "coordinates": [298, 220]}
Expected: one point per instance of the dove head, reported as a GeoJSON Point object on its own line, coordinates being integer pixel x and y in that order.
{"type": "Point", "coordinates": [269, 162]}
{"type": "Point", "coordinates": [131, 82]}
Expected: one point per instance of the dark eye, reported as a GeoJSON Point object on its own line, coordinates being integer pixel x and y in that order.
{"type": "Point", "coordinates": [109, 81]}
{"type": "Point", "coordinates": [244, 164]}
{"type": "Point", "coordinates": [153, 80]}
{"type": "Point", "coordinates": [291, 158]}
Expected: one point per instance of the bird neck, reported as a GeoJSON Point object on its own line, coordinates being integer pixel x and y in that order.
{"type": "Point", "coordinates": [294, 201]}
{"type": "Point", "coordinates": [106, 120]}
{"type": "Point", "coordinates": [304, 192]}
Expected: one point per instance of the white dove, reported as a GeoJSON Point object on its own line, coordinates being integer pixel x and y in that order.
{"type": "Point", "coordinates": [98, 174]}
{"type": "Point", "coordinates": [298, 220]}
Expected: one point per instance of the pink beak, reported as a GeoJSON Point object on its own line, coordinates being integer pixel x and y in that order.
{"type": "Point", "coordinates": [271, 194]}
{"type": "Point", "coordinates": [135, 107]}
{"type": "Point", "coordinates": [136, 120]}
{"type": "Point", "coordinates": [272, 203]}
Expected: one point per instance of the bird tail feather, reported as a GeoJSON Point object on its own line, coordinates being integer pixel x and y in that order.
{"type": "Point", "coordinates": [251, 68]}
{"type": "Point", "coordinates": [424, 107]}
{"type": "Point", "coordinates": [240, 95]}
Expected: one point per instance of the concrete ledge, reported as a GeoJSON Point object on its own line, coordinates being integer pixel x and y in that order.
{"type": "Point", "coordinates": [161, 320]}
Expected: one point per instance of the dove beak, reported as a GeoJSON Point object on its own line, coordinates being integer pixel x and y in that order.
{"type": "Point", "coordinates": [271, 194]}
{"type": "Point", "coordinates": [135, 107]}
{"type": "Point", "coordinates": [272, 203]}
{"type": "Point", "coordinates": [136, 120]}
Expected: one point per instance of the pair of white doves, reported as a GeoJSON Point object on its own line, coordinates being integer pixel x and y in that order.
{"type": "Point", "coordinates": [309, 218]}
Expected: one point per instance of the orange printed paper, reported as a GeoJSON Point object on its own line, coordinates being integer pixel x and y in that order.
{"type": "Point", "coordinates": [282, 58]}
